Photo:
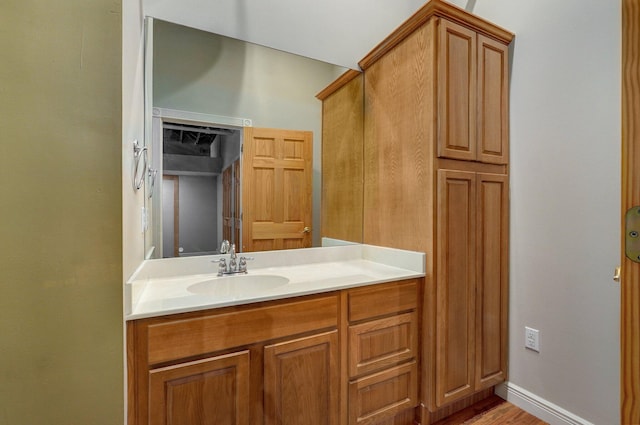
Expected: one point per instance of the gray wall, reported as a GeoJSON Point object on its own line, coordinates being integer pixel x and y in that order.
{"type": "Point", "coordinates": [198, 214]}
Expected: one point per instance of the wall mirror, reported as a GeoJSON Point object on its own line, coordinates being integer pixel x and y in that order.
{"type": "Point", "coordinates": [203, 92]}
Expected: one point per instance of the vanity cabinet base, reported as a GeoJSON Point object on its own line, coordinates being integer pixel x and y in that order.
{"type": "Point", "coordinates": [283, 362]}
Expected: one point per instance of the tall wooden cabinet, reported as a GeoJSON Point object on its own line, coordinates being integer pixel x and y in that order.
{"type": "Point", "coordinates": [435, 171]}
{"type": "Point", "coordinates": [436, 180]}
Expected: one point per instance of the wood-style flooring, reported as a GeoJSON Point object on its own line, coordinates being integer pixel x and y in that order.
{"type": "Point", "coordinates": [492, 411]}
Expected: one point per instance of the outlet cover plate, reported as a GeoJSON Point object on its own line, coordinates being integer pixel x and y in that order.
{"type": "Point", "coordinates": [532, 339]}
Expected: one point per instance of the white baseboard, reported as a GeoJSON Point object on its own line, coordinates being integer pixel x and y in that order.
{"type": "Point", "coordinates": [538, 406]}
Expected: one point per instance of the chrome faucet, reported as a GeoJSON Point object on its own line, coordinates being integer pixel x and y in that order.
{"type": "Point", "coordinates": [224, 247]}
{"type": "Point", "coordinates": [233, 258]}
{"type": "Point", "coordinates": [235, 266]}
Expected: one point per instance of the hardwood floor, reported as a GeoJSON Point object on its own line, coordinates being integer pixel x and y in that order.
{"type": "Point", "coordinates": [492, 411]}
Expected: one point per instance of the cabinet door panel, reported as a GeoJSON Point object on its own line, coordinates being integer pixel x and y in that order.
{"type": "Point", "coordinates": [492, 280]}
{"type": "Point", "coordinates": [493, 98]}
{"type": "Point", "coordinates": [455, 297]}
{"type": "Point", "coordinates": [212, 391]}
{"type": "Point", "coordinates": [456, 91]}
{"type": "Point", "coordinates": [302, 381]}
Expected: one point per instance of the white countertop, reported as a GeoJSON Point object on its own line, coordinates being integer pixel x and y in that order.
{"type": "Point", "coordinates": [161, 287]}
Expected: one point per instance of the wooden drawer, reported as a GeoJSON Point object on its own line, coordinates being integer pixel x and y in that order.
{"type": "Point", "coordinates": [177, 339]}
{"type": "Point", "coordinates": [381, 343]}
{"type": "Point", "coordinates": [383, 394]}
{"type": "Point", "coordinates": [370, 302]}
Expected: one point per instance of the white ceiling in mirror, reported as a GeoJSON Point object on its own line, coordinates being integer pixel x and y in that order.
{"type": "Point", "coordinates": [336, 31]}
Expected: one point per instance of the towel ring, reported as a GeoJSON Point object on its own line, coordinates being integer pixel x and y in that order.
{"type": "Point", "coordinates": [140, 160]}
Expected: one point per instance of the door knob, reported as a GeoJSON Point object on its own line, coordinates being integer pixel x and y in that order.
{"type": "Point", "coordinates": [306, 229]}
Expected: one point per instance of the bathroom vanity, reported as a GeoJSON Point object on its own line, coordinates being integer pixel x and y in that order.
{"type": "Point", "coordinates": [337, 342]}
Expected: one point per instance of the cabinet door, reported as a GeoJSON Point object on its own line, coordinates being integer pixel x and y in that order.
{"type": "Point", "coordinates": [455, 286]}
{"type": "Point", "coordinates": [493, 101]}
{"type": "Point", "coordinates": [213, 391]}
{"type": "Point", "coordinates": [302, 381]}
{"type": "Point", "coordinates": [456, 91]}
{"type": "Point", "coordinates": [492, 280]}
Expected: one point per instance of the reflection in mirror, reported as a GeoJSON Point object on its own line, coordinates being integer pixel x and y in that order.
{"type": "Point", "coordinates": [194, 159]}
{"type": "Point", "coordinates": [205, 90]}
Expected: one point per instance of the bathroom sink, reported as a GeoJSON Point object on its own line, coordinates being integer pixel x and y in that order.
{"type": "Point", "coordinates": [238, 286]}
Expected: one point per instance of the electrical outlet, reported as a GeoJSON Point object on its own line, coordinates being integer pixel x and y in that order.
{"type": "Point", "coordinates": [532, 339]}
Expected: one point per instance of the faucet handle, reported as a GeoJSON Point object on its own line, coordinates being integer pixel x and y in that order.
{"type": "Point", "coordinates": [222, 265]}
{"type": "Point", "coordinates": [242, 265]}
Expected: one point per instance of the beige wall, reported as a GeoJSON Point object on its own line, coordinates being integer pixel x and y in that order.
{"type": "Point", "coordinates": [61, 350]}
{"type": "Point", "coordinates": [132, 129]}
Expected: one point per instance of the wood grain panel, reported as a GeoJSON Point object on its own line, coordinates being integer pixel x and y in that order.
{"type": "Point", "coordinates": [172, 340]}
{"type": "Point", "coordinates": [338, 83]}
{"type": "Point", "coordinates": [630, 274]}
{"type": "Point", "coordinates": [381, 343]}
{"type": "Point", "coordinates": [376, 301]}
{"type": "Point", "coordinates": [302, 381]}
{"type": "Point", "coordinates": [342, 162]}
{"type": "Point", "coordinates": [492, 284]}
{"type": "Point", "coordinates": [455, 288]}
{"type": "Point", "coordinates": [382, 395]}
{"type": "Point", "coordinates": [184, 394]}
{"type": "Point", "coordinates": [493, 101]}
{"type": "Point", "coordinates": [456, 91]}
{"type": "Point", "coordinates": [270, 230]}
{"type": "Point", "coordinates": [399, 132]}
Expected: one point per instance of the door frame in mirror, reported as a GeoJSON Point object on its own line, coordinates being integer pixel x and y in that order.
{"type": "Point", "coordinates": [153, 200]}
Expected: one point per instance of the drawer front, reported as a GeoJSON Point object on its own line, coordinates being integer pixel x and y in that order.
{"type": "Point", "coordinates": [382, 343]}
{"type": "Point", "coordinates": [383, 395]}
{"type": "Point", "coordinates": [178, 339]}
{"type": "Point", "coordinates": [370, 302]}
